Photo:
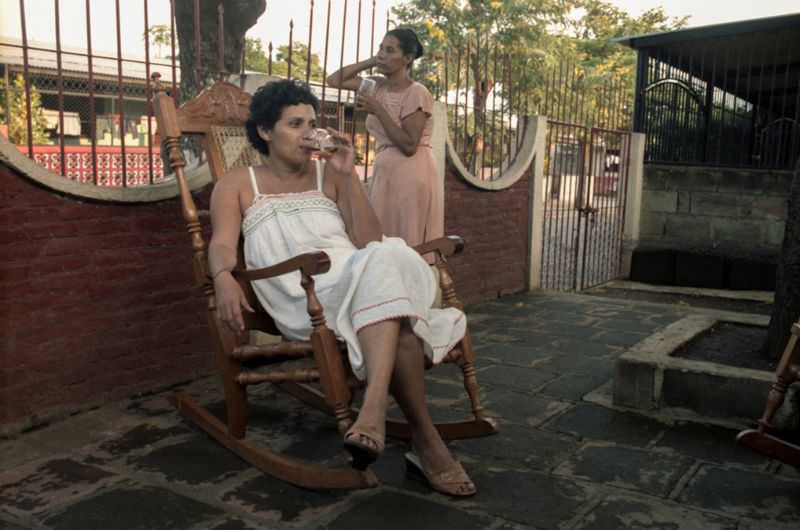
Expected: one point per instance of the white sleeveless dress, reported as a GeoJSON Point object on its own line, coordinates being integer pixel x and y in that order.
{"type": "Point", "coordinates": [382, 281]}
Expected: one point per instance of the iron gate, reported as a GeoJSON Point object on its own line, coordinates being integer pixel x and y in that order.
{"type": "Point", "coordinates": [585, 179]}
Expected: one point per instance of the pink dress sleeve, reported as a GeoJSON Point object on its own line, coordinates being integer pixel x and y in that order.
{"type": "Point", "coordinates": [417, 98]}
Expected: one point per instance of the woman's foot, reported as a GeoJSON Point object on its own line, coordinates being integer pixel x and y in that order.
{"type": "Point", "coordinates": [363, 447]}
{"type": "Point", "coordinates": [452, 481]}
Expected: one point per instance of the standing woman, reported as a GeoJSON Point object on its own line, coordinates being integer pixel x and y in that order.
{"type": "Point", "coordinates": [405, 189]}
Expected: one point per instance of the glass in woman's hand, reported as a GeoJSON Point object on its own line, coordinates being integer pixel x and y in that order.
{"type": "Point", "coordinates": [367, 86]}
{"type": "Point", "coordinates": [322, 140]}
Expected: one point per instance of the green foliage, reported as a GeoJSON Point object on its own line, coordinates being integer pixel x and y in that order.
{"type": "Point", "coordinates": [16, 113]}
{"type": "Point", "coordinates": [530, 38]}
{"type": "Point", "coordinates": [519, 44]}
{"type": "Point", "coordinates": [255, 58]}
{"type": "Point", "coordinates": [299, 55]}
{"type": "Point", "coordinates": [160, 36]}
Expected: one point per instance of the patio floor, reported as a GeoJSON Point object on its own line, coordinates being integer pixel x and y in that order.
{"type": "Point", "coordinates": [564, 458]}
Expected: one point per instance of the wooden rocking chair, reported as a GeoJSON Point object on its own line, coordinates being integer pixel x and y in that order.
{"type": "Point", "coordinates": [217, 115]}
{"type": "Point", "coordinates": [787, 372]}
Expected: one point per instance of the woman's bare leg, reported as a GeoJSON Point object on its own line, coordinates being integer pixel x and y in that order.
{"type": "Point", "coordinates": [379, 344]}
{"type": "Point", "coordinates": [408, 389]}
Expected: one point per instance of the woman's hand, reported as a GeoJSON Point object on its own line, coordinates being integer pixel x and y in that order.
{"type": "Point", "coordinates": [341, 160]}
{"type": "Point", "coordinates": [230, 301]}
{"type": "Point", "coordinates": [367, 103]}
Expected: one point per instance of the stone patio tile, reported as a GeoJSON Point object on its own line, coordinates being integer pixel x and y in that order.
{"type": "Point", "coordinates": [35, 486]}
{"type": "Point", "coordinates": [599, 423]}
{"type": "Point", "coordinates": [587, 346]}
{"type": "Point", "coordinates": [639, 325]}
{"type": "Point", "coordinates": [758, 524]}
{"type": "Point", "coordinates": [744, 493]}
{"type": "Point", "coordinates": [566, 317]}
{"type": "Point", "coordinates": [617, 312]}
{"type": "Point", "coordinates": [315, 442]}
{"type": "Point", "coordinates": [389, 511]}
{"type": "Point", "coordinates": [517, 377]}
{"type": "Point", "coordinates": [569, 304]}
{"type": "Point", "coordinates": [268, 499]}
{"type": "Point", "coordinates": [573, 386]}
{"type": "Point", "coordinates": [579, 364]}
{"type": "Point", "coordinates": [620, 339]}
{"type": "Point", "coordinates": [628, 511]}
{"type": "Point", "coordinates": [519, 354]}
{"type": "Point", "coordinates": [530, 498]}
{"type": "Point", "coordinates": [132, 507]}
{"type": "Point", "coordinates": [9, 522]}
{"type": "Point", "coordinates": [622, 467]}
{"type": "Point", "coordinates": [518, 445]}
{"type": "Point", "coordinates": [665, 319]}
{"type": "Point", "coordinates": [229, 523]}
{"type": "Point", "coordinates": [138, 438]}
{"type": "Point", "coordinates": [520, 407]}
{"type": "Point", "coordinates": [558, 329]}
{"type": "Point", "coordinates": [709, 443]}
{"type": "Point", "coordinates": [194, 461]}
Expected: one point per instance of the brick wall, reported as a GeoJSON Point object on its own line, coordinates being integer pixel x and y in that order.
{"type": "Point", "coordinates": [494, 225]}
{"type": "Point", "coordinates": [97, 301]}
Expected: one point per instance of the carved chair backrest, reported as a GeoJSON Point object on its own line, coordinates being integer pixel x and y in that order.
{"type": "Point", "coordinates": [217, 116]}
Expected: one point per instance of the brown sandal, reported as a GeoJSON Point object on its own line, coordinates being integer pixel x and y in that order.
{"type": "Point", "coordinates": [454, 481]}
{"type": "Point", "coordinates": [363, 453]}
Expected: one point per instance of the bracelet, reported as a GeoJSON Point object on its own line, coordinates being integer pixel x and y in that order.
{"type": "Point", "coordinates": [219, 272]}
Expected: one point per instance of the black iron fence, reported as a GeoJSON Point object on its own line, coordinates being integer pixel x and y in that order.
{"type": "Point", "coordinates": [730, 100]}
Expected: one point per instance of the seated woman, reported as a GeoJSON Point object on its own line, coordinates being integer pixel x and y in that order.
{"type": "Point", "coordinates": [377, 295]}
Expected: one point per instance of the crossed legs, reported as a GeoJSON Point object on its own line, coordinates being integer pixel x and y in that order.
{"type": "Point", "coordinates": [394, 362]}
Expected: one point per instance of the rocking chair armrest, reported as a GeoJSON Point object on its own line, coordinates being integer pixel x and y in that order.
{"type": "Point", "coordinates": [309, 263]}
{"type": "Point", "coordinates": [447, 246]}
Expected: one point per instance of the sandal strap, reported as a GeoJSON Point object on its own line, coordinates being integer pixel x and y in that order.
{"type": "Point", "coordinates": [365, 438]}
{"type": "Point", "coordinates": [454, 475]}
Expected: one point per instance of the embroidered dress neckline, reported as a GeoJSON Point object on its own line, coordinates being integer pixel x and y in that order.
{"type": "Point", "coordinates": [261, 199]}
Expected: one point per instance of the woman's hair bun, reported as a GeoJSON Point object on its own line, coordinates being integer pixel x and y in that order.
{"type": "Point", "coordinates": [409, 42]}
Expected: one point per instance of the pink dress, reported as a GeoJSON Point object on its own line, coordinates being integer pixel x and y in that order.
{"type": "Point", "coordinates": [405, 189]}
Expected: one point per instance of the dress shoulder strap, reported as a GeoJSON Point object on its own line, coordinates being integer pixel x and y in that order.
{"type": "Point", "coordinates": [320, 173]}
{"type": "Point", "coordinates": [253, 182]}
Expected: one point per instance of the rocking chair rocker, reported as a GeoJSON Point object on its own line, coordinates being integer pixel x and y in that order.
{"type": "Point", "coordinates": [218, 115]}
{"type": "Point", "coordinates": [787, 372]}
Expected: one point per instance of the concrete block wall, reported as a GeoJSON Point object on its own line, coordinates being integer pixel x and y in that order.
{"type": "Point", "coordinates": [723, 209]}
{"type": "Point", "coordinates": [495, 227]}
{"type": "Point", "coordinates": [710, 227]}
{"type": "Point", "coordinates": [97, 302]}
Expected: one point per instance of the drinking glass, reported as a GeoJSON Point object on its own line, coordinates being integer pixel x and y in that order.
{"type": "Point", "coordinates": [322, 140]}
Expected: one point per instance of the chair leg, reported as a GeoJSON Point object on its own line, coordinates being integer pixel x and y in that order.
{"type": "Point", "coordinates": [467, 364]}
{"type": "Point", "coordinates": [759, 439]}
{"type": "Point", "coordinates": [332, 377]}
{"type": "Point", "coordinates": [236, 407]}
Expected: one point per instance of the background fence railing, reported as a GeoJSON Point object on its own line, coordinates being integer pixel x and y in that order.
{"type": "Point", "coordinates": [732, 100]}
{"type": "Point", "coordinates": [72, 103]}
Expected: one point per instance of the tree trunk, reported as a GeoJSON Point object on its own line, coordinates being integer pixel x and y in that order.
{"type": "Point", "coordinates": [238, 17]}
{"type": "Point", "coordinates": [786, 309]}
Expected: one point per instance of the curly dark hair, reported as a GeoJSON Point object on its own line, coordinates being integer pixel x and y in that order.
{"type": "Point", "coordinates": [409, 42]}
{"type": "Point", "coordinates": [267, 105]}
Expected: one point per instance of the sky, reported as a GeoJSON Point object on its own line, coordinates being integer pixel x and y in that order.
{"type": "Point", "coordinates": [274, 24]}
{"type": "Point", "coordinates": [705, 12]}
